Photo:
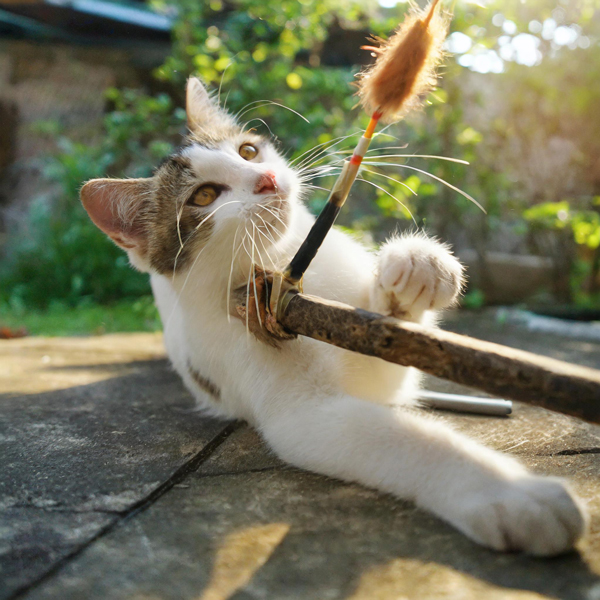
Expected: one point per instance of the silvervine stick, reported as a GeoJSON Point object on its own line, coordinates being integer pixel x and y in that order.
{"type": "Point", "coordinates": [496, 369]}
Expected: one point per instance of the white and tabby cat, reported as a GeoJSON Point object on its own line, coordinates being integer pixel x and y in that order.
{"type": "Point", "coordinates": [226, 199]}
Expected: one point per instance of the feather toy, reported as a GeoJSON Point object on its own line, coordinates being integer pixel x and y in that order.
{"type": "Point", "coordinates": [405, 69]}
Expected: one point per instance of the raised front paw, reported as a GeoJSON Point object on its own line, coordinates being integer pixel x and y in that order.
{"type": "Point", "coordinates": [415, 274]}
{"type": "Point", "coordinates": [536, 515]}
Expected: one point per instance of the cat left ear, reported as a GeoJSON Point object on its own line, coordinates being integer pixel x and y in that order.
{"type": "Point", "coordinates": [203, 111]}
{"type": "Point", "coordinates": [114, 207]}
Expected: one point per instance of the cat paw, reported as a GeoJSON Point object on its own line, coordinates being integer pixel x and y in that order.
{"type": "Point", "coordinates": [535, 515]}
{"type": "Point", "coordinates": [415, 274]}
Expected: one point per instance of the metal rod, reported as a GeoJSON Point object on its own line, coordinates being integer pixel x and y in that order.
{"type": "Point", "coordinates": [469, 404]}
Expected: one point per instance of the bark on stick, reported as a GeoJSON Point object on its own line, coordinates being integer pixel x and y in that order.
{"type": "Point", "coordinates": [496, 369]}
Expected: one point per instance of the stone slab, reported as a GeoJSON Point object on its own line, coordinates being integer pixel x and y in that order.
{"type": "Point", "coordinates": [77, 457]}
{"type": "Point", "coordinates": [243, 451]}
{"type": "Point", "coordinates": [39, 364]}
{"type": "Point", "coordinates": [244, 525]}
{"type": "Point", "coordinates": [287, 534]}
{"type": "Point", "coordinates": [32, 541]}
{"type": "Point", "coordinates": [491, 325]}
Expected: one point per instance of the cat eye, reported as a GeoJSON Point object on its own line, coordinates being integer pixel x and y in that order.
{"type": "Point", "coordinates": [205, 195]}
{"type": "Point", "coordinates": [248, 151]}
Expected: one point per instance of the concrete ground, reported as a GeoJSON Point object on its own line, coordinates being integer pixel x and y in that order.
{"type": "Point", "coordinates": [113, 487]}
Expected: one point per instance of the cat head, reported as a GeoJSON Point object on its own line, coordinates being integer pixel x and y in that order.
{"type": "Point", "coordinates": [220, 182]}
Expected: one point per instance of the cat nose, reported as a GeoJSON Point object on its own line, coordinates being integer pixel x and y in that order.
{"type": "Point", "coordinates": [266, 183]}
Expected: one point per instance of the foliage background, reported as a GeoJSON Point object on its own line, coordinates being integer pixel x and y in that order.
{"type": "Point", "coordinates": [518, 100]}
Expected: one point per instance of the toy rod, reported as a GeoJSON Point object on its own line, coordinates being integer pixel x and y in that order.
{"type": "Point", "coordinates": [499, 370]}
{"type": "Point", "coordinates": [298, 265]}
{"type": "Point", "coordinates": [403, 72]}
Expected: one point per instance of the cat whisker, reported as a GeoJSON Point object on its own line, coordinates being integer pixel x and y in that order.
{"type": "Point", "coordinates": [275, 215]}
{"type": "Point", "coordinates": [234, 253]}
{"type": "Point", "coordinates": [329, 169]}
{"type": "Point", "coordinates": [315, 163]}
{"type": "Point", "coordinates": [314, 148]}
{"type": "Point", "coordinates": [245, 238]}
{"type": "Point", "coordinates": [332, 143]}
{"type": "Point", "coordinates": [390, 195]}
{"type": "Point", "coordinates": [237, 115]}
{"type": "Point", "coordinates": [323, 175]}
{"type": "Point", "coordinates": [181, 243]}
{"type": "Point", "coordinates": [446, 158]}
{"type": "Point", "coordinates": [261, 103]}
{"type": "Point", "coordinates": [258, 119]}
{"type": "Point", "coordinates": [268, 227]}
{"type": "Point", "coordinates": [267, 233]}
{"type": "Point", "coordinates": [443, 181]}
{"type": "Point", "coordinates": [319, 149]}
{"type": "Point", "coordinates": [214, 212]}
{"type": "Point", "coordinates": [317, 187]}
{"type": "Point", "coordinates": [231, 61]}
{"type": "Point", "coordinates": [269, 238]}
{"type": "Point", "coordinates": [388, 148]}
{"type": "Point", "coordinates": [363, 170]}
{"type": "Point", "coordinates": [249, 275]}
{"type": "Point", "coordinates": [262, 264]}
{"type": "Point", "coordinates": [178, 213]}
{"type": "Point", "coordinates": [314, 156]}
{"type": "Point", "coordinates": [254, 276]}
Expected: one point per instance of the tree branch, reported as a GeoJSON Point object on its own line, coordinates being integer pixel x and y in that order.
{"type": "Point", "coordinates": [496, 369]}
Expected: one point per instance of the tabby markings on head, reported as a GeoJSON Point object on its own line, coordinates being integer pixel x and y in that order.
{"type": "Point", "coordinates": [172, 245]}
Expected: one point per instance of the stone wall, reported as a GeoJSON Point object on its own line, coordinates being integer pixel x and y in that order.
{"type": "Point", "coordinates": [54, 82]}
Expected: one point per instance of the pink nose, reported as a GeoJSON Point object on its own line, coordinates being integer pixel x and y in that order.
{"type": "Point", "coordinates": [266, 183]}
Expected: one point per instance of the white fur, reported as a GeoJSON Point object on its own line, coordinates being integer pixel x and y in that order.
{"type": "Point", "coordinates": [328, 410]}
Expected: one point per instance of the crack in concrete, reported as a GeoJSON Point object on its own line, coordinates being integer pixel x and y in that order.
{"type": "Point", "coordinates": [577, 451]}
{"type": "Point", "coordinates": [570, 452]}
{"type": "Point", "coordinates": [120, 518]}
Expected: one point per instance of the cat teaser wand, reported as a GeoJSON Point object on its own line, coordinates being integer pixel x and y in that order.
{"type": "Point", "coordinates": [403, 72]}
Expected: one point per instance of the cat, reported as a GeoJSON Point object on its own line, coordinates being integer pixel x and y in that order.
{"type": "Point", "coordinates": [227, 199]}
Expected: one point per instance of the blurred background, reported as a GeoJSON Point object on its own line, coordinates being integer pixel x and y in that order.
{"type": "Point", "coordinates": [90, 88]}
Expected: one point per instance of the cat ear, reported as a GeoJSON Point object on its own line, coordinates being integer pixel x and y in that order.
{"type": "Point", "coordinates": [114, 207]}
{"type": "Point", "coordinates": [203, 111]}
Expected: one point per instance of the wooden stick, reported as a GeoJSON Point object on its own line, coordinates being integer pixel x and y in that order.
{"type": "Point", "coordinates": [496, 369]}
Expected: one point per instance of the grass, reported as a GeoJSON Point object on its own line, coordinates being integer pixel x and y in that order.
{"type": "Point", "coordinates": [89, 319]}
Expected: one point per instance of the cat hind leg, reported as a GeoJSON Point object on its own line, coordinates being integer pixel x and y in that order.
{"type": "Point", "coordinates": [488, 496]}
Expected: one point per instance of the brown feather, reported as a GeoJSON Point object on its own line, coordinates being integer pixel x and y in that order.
{"type": "Point", "coordinates": [406, 63]}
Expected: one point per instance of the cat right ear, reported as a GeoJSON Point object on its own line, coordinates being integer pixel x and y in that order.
{"type": "Point", "coordinates": [203, 111]}
{"type": "Point", "coordinates": [114, 207]}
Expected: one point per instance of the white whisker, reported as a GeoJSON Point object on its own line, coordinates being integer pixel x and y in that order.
{"type": "Point", "coordinates": [363, 170]}
{"type": "Point", "coordinates": [179, 213]}
{"type": "Point", "coordinates": [390, 195]}
{"type": "Point", "coordinates": [319, 149]}
{"type": "Point", "coordinates": [214, 211]}
{"type": "Point", "coordinates": [447, 158]}
{"type": "Point", "coordinates": [313, 156]}
{"type": "Point", "coordinates": [452, 187]}
{"type": "Point", "coordinates": [261, 103]}
{"type": "Point", "coordinates": [254, 278]}
{"type": "Point", "coordinates": [234, 253]}
{"type": "Point", "coordinates": [257, 119]}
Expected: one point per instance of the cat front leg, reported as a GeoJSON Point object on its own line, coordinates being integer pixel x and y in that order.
{"type": "Point", "coordinates": [415, 274]}
{"type": "Point", "coordinates": [488, 496]}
